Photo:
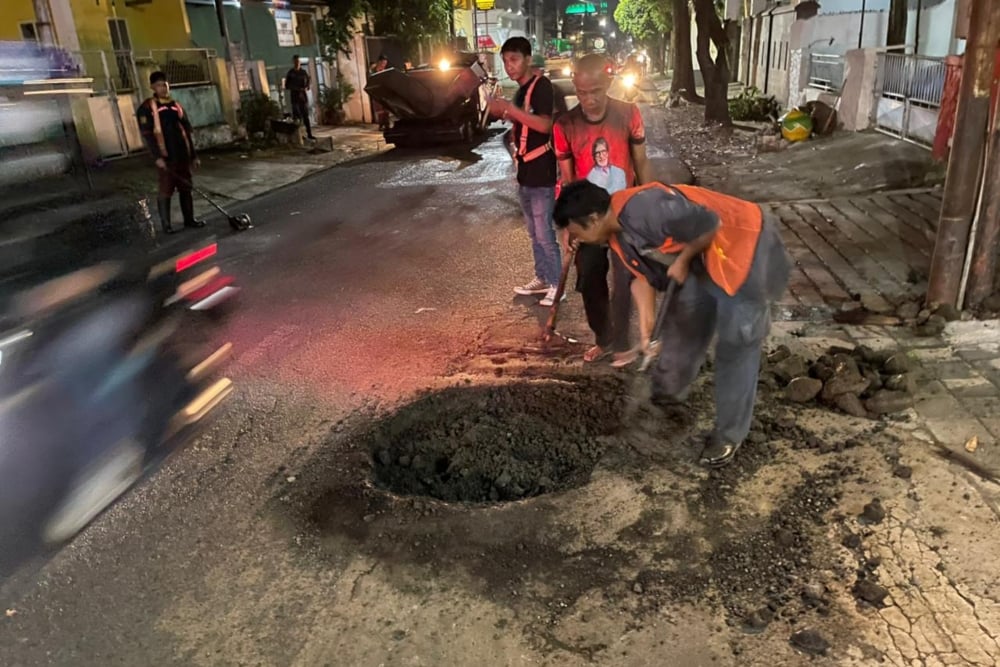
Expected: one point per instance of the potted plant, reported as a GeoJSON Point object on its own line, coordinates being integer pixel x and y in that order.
{"type": "Point", "coordinates": [332, 101]}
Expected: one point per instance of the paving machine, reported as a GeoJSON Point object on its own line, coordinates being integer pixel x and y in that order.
{"type": "Point", "coordinates": [434, 104]}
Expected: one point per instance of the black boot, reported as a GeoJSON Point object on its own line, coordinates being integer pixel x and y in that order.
{"type": "Point", "coordinates": [163, 204]}
{"type": "Point", "coordinates": [187, 210]}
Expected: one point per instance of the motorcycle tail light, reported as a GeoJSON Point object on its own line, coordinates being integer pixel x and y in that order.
{"type": "Point", "coordinates": [187, 261]}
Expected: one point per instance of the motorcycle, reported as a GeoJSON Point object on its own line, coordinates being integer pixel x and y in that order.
{"type": "Point", "coordinates": [97, 388]}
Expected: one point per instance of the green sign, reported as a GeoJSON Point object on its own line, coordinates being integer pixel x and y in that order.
{"type": "Point", "coordinates": [581, 8]}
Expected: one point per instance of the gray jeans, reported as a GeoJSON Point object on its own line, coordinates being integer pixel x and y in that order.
{"type": "Point", "coordinates": [701, 310]}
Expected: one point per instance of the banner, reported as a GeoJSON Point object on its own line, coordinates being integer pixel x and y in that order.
{"type": "Point", "coordinates": [286, 30]}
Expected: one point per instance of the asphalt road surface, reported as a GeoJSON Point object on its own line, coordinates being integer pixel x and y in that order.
{"type": "Point", "coordinates": [265, 542]}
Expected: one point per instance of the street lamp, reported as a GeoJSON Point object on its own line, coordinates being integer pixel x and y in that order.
{"type": "Point", "coordinates": [603, 22]}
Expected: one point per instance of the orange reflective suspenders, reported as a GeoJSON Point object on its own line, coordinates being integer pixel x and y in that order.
{"type": "Point", "coordinates": [522, 149]}
{"type": "Point", "coordinates": [158, 127]}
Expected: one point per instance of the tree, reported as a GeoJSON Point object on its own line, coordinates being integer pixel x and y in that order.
{"type": "Point", "coordinates": [715, 71]}
{"type": "Point", "coordinates": [408, 20]}
{"type": "Point", "coordinates": [682, 84]}
{"type": "Point", "coordinates": [337, 27]}
{"type": "Point", "coordinates": [648, 22]}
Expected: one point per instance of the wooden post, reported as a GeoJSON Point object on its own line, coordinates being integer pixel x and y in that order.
{"type": "Point", "coordinates": [982, 270]}
{"type": "Point", "coordinates": [965, 163]}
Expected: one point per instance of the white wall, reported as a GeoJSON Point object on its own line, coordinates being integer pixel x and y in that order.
{"type": "Point", "coordinates": [841, 20]}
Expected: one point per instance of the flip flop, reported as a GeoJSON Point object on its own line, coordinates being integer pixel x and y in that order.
{"type": "Point", "coordinates": [626, 358]}
{"type": "Point", "coordinates": [591, 357]}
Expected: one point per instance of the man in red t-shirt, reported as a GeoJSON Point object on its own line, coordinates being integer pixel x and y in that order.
{"type": "Point", "coordinates": [602, 140]}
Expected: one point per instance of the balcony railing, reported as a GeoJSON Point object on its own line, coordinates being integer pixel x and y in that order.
{"type": "Point", "coordinates": [185, 67]}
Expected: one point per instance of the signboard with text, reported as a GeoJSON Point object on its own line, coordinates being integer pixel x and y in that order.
{"type": "Point", "coordinates": [286, 29]}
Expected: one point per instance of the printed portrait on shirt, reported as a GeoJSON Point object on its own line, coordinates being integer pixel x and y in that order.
{"type": "Point", "coordinates": [603, 173]}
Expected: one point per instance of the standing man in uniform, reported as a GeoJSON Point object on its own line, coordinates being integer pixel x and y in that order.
{"type": "Point", "coordinates": [297, 83]}
{"type": "Point", "coordinates": [598, 138]}
{"type": "Point", "coordinates": [729, 264]}
{"type": "Point", "coordinates": [531, 114]}
{"type": "Point", "coordinates": [170, 138]}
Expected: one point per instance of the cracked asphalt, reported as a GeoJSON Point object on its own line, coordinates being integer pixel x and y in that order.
{"type": "Point", "coordinates": [267, 542]}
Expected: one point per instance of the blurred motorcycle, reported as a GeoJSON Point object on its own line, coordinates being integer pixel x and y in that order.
{"type": "Point", "coordinates": [97, 387]}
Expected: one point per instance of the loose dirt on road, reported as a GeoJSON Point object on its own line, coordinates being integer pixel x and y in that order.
{"type": "Point", "coordinates": [567, 514]}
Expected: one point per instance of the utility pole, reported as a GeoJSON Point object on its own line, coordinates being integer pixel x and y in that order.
{"type": "Point", "coordinates": [43, 20]}
{"type": "Point", "coordinates": [982, 270]}
{"type": "Point", "coordinates": [965, 163]}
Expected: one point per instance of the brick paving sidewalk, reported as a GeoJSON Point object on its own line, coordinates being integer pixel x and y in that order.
{"type": "Point", "coordinates": [874, 249]}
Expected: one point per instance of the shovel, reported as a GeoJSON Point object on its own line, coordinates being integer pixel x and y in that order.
{"type": "Point", "coordinates": [661, 319]}
{"type": "Point", "coordinates": [550, 325]}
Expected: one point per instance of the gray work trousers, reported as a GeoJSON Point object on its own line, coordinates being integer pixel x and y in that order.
{"type": "Point", "coordinates": [699, 311]}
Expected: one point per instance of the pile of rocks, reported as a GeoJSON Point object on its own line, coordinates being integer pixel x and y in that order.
{"type": "Point", "coordinates": [860, 382]}
{"type": "Point", "coordinates": [926, 322]}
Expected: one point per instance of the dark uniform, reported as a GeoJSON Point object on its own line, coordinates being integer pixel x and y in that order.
{"type": "Point", "coordinates": [169, 136]}
{"type": "Point", "coordinates": [297, 83]}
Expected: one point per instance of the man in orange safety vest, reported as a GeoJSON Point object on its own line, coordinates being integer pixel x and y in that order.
{"type": "Point", "coordinates": [728, 263]}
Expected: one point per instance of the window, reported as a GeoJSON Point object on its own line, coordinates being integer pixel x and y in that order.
{"type": "Point", "coordinates": [120, 40]}
{"type": "Point", "coordinates": [305, 31]}
{"type": "Point", "coordinates": [29, 32]}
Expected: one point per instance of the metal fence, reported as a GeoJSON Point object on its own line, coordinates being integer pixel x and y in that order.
{"type": "Point", "coordinates": [826, 71]}
{"type": "Point", "coordinates": [918, 79]}
{"type": "Point", "coordinates": [185, 67]}
{"type": "Point", "coordinates": [908, 92]}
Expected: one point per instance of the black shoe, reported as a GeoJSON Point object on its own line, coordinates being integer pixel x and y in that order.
{"type": "Point", "coordinates": [163, 205]}
{"type": "Point", "coordinates": [719, 453]}
{"type": "Point", "coordinates": [187, 210]}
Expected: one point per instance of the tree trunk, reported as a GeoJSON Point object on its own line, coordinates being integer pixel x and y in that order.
{"type": "Point", "coordinates": [715, 72]}
{"type": "Point", "coordinates": [896, 33]}
{"type": "Point", "coordinates": [682, 84]}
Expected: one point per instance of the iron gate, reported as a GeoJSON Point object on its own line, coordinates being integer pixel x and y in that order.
{"type": "Point", "coordinates": [908, 91]}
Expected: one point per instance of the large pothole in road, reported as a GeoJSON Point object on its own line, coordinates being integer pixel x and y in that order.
{"type": "Point", "coordinates": [499, 442]}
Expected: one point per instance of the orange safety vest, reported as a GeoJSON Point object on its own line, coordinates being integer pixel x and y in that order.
{"type": "Point", "coordinates": [729, 258]}
{"type": "Point", "coordinates": [158, 127]}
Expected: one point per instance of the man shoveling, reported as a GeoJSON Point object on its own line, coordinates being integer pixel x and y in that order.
{"type": "Point", "coordinates": [728, 262]}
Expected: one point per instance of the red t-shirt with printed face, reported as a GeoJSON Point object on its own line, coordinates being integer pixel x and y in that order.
{"type": "Point", "coordinates": [601, 151]}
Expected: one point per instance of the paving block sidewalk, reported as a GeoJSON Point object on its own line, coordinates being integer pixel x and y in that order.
{"type": "Point", "coordinates": [874, 249]}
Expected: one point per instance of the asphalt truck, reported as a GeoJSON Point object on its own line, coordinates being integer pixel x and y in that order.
{"type": "Point", "coordinates": [438, 103]}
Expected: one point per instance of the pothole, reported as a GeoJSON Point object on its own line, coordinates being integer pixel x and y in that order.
{"type": "Point", "coordinates": [498, 442]}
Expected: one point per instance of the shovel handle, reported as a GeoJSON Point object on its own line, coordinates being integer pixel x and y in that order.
{"type": "Point", "coordinates": [661, 315]}
{"type": "Point", "coordinates": [550, 325]}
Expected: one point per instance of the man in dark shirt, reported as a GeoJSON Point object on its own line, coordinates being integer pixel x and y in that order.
{"type": "Point", "coordinates": [729, 263]}
{"type": "Point", "coordinates": [297, 84]}
{"type": "Point", "coordinates": [531, 115]}
{"type": "Point", "coordinates": [170, 138]}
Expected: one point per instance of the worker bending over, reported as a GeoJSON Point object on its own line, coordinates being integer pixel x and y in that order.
{"type": "Point", "coordinates": [729, 264]}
